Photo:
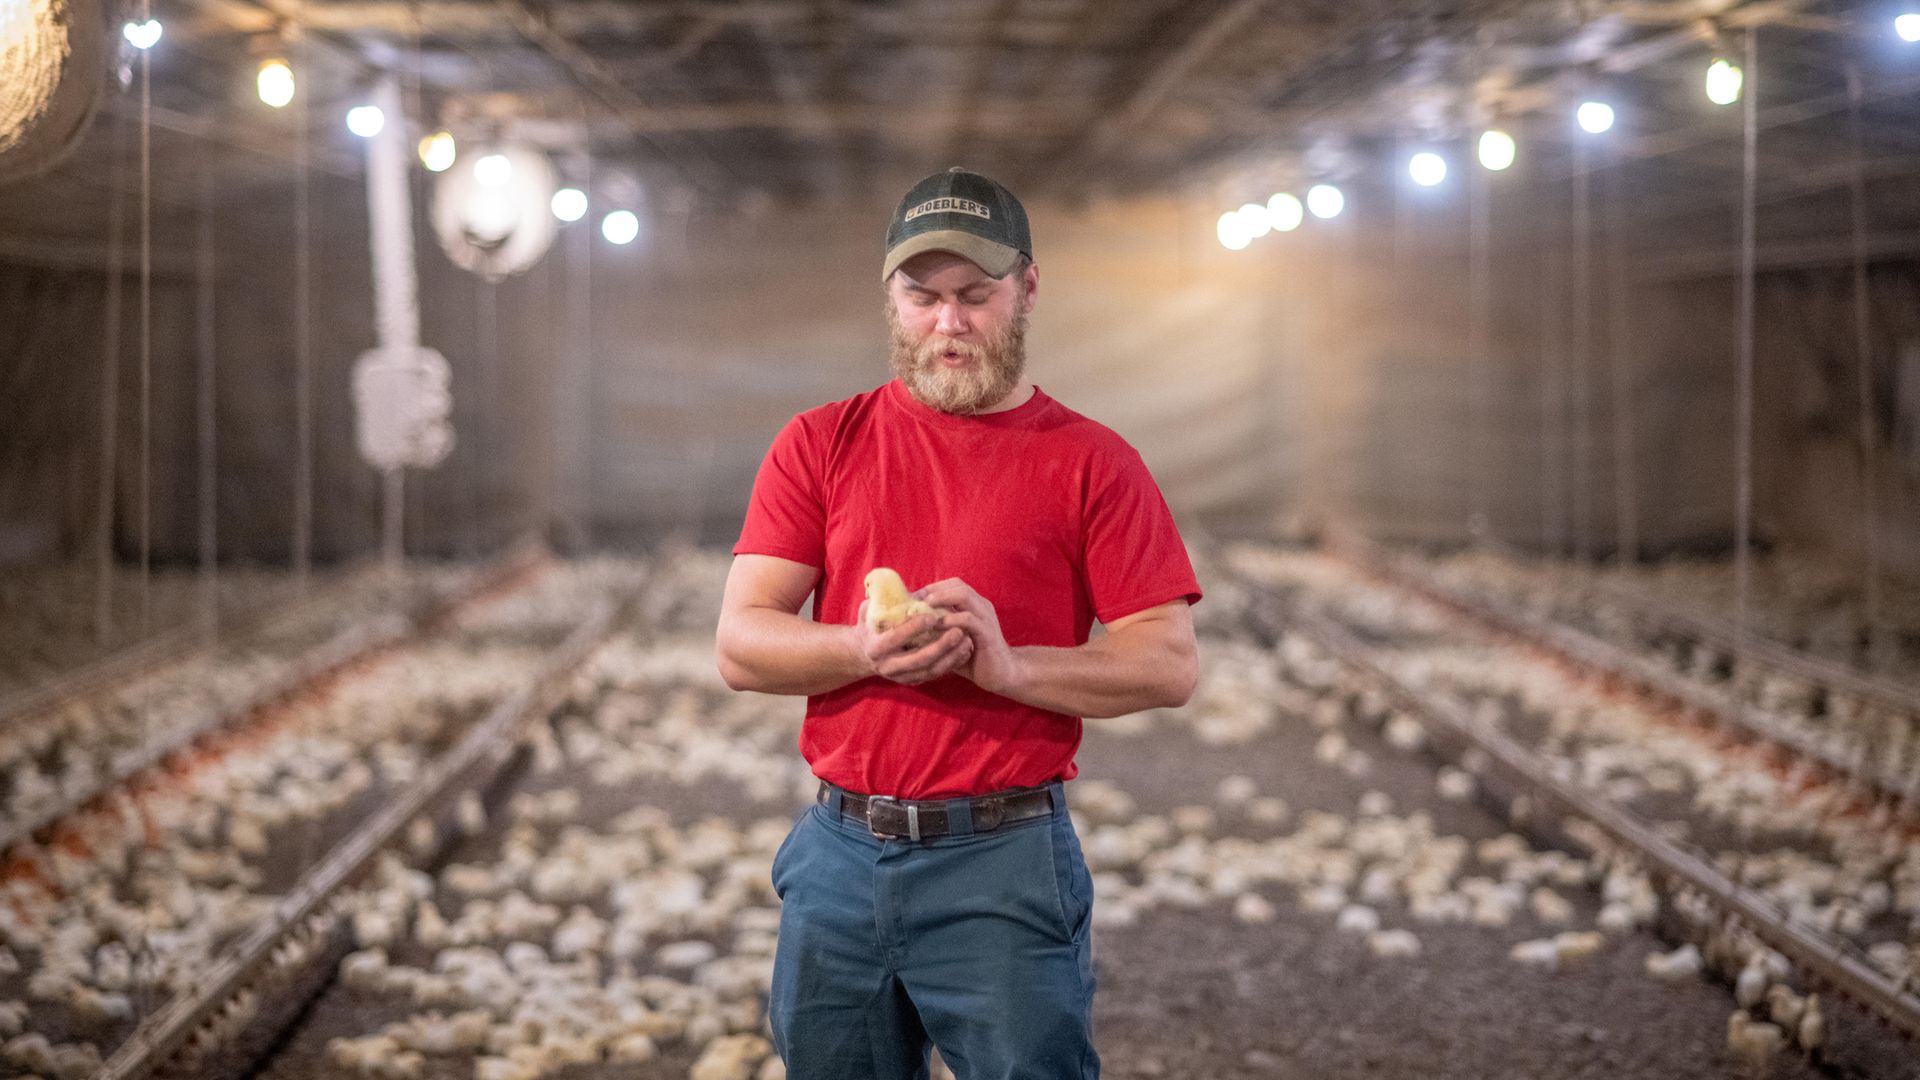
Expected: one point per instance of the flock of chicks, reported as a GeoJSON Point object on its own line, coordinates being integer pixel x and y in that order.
{"type": "Point", "coordinates": [123, 909]}
{"type": "Point", "coordinates": [1807, 847]}
{"type": "Point", "coordinates": [574, 926]}
{"type": "Point", "coordinates": [1847, 874]}
{"type": "Point", "coordinates": [50, 760]}
{"type": "Point", "coordinates": [1873, 735]}
{"type": "Point", "coordinates": [51, 612]}
{"type": "Point", "coordinates": [1799, 598]}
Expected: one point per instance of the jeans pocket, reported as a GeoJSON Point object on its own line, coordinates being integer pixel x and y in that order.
{"type": "Point", "coordinates": [779, 854]}
{"type": "Point", "coordinates": [1072, 883]}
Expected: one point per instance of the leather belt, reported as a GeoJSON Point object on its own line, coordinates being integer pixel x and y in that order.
{"type": "Point", "coordinates": [924, 819]}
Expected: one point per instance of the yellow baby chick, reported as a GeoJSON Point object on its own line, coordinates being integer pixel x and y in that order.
{"type": "Point", "coordinates": [889, 604]}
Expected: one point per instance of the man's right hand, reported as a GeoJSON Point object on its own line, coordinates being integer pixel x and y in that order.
{"type": "Point", "coordinates": [888, 655]}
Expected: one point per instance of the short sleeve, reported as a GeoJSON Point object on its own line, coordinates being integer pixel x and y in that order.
{"type": "Point", "coordinates": [786, 516]}
{"type": "Point", "coordinates": [1133, 556]}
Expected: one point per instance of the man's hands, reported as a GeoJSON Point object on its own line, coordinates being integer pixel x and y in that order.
{"type": "Point", "coordinates": [970, 643]}
{"type": "Point", "coordinates": [994, 666]}
{"type": "Point", "coordinates": [888, 654]}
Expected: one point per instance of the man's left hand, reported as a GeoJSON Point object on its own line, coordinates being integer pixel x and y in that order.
{"type": "Point", "coordinates": [995, 667]}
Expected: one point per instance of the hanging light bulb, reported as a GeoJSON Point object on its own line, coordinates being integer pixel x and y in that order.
{"type": "Point", "coordinates": [1253, 219]}
{"type": "Point", "coordinates": [569, 204]}
{"type": "Point", "coordinates": [1595, 117]}
{"type": "Point", "coordinates": [1497, 149]}
{"type": "Point", "coordinates": [366, 120]}
{"type": "Point", "coordinates": [1723, 81]}
{"type": "Point", "coordinates": [494, 170]}
{"type": "Point", "coordinates": [438, 151]}
{"type": "Point", "coordinates": [141, 35]}
{"type": "Point", "coordinates": [1232, 231]}
{"type": "Point", "coordinates": [1907, 26]}
{"type": "Point", "coordinates": [275, 82]}
{"type": "Point", "coordinates": [620, 227]}
{"type": "Point", "coordinates": [1427, 168]}
{"type": "Point", "coordinates": [1284, 212]}
{"type": "Point", "coordinates": [1325, 201]}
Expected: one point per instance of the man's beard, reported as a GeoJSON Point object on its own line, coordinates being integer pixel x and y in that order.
{"type": "Point", "coordinates": [996, 368]}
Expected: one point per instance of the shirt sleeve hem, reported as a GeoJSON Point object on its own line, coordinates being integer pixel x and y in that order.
{"type": "Point", "coordinates": [790, 554]}
{"type": "Point", "coordinates": [1120, 611]}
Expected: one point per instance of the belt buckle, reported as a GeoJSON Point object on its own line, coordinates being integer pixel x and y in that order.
{"type": "Point", "coordinates": [913, 818]}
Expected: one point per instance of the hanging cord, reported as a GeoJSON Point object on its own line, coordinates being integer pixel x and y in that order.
{"type": "Point", "coordinates": [144, 689]}
{"type": "Point", "coordinates": [146, 339]}
{"type": "Point", "coordinates": [487, 328]}
{"type": "Point", "coordinates": [583, 499]}
{"type": "Point", "coordinates": [1479, 303]}
{"type": "Point", "coordinates": [1863, 356]}
{"type": "Point", "coordinates": [1552, 408]}
{"type": "Point", "coordinates": [110, 387]}
{"type": "Point", "coordinates": [1621, 354]}
{"type": "Point", "coordinates": [1581, 354]}
{"type": "Point", "coordinates": [540, 507]}
{"type": "Point", "coordinates": [1743, 419]}
{"type": "Point", "coordinates": [303, 340]}
{"type": "Point", "coordinates": [208, 445]}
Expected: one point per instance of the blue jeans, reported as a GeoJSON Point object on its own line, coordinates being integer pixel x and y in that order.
{"type": "Point", "coordinates": [977, 941]}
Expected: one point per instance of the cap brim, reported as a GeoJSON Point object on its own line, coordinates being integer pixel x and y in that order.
{"type": "Point", "coordinates": [997, 260]}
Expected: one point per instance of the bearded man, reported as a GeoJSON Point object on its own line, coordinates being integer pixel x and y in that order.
{"type": "Point", "coordinates": [935, 891]}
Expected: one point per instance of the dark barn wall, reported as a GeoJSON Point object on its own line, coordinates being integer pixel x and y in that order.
{"type": "Point", "coordinates": [1323, 373]}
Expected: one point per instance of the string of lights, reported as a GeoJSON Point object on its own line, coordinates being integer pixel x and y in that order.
{"type": "Point", "coordinates": [276, 84]}
{"type": "Point", "coordinates": [1237, 229]}
{"type": "Point", "coordinates": [1496, 151]}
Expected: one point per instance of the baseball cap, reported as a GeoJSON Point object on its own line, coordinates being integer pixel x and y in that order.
{"type": "Point", "coordinates": [965, 213]}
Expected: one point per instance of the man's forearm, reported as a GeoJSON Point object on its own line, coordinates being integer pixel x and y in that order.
{"type": "Point", "coordinates": [1108, 676]}
{"type": "Point", "coordinates": [777, 653]}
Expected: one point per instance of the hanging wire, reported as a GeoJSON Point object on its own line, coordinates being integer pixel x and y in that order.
{"type": "Point", "coordinates": [1580, 358]}
{"type": "Point", "coordinates": [1743, 419]}
{"type": "Point", "coordinates": [1863, 356]}
{"type": "Point", "coordinates": [110, 386]}
{"type": "Point", "coordinates": [580, 321]}
{"type": "Point", "coordinates": [1552, 405]}
{"type": "Point", "coordinates": [205, 404]}
{"type": "Point", "coordinates": [1621, 355]}
{"type": "Point", "coordinates": [1479, 304]}
{"type": "Point", "coordinates": [487, 328]}
{"type": "Point", "coordinates": [144, 949]}
{"type": "Point", "coordinates": [540, 508]}
{"type": "Point", "coordinates": [302, 338]}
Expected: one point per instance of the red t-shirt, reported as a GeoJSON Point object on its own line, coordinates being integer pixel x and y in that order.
{"type": "Point", "coordinates": [1050, 516]}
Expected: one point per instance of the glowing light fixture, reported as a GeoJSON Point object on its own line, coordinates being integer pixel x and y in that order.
{"type": "Point", "coordinates": [1427, 168]}
{"type": "Point", "coordinates": [569, 204]}
{"type": "Point", "coordinates": [438, 151]}
{"type": "Point", "coordinates": [1284, 212]}
{"type": "Point", "coordinates": [1232, 231]}
{"type": "Point", "coordinates": [1595, 117]}
{"type": "Point", "coordinates": [494, 170]}
{"type": "Point", "coordinates": [620, 227]}
{"type": "Point", "coordinates": [366, 120]}
{"type": "Point", "coordinates": [1325, 201]}
{"type": "Point", "coordinates": [1253, 219]}
{"type": "Point", "coordinates": [1907, 26]}
{"type": "Point", "coordinates": [1497, 149]}
{"type": "Point", "coordinates": [275, 82]}
{"type": "Point", "coordinates": [142, 35]}
{"type": "Point", "coordinates": [1723, 81]}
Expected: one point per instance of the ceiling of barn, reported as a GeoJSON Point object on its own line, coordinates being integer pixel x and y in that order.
{"type": "Point", "coordinates": [820, 100]}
